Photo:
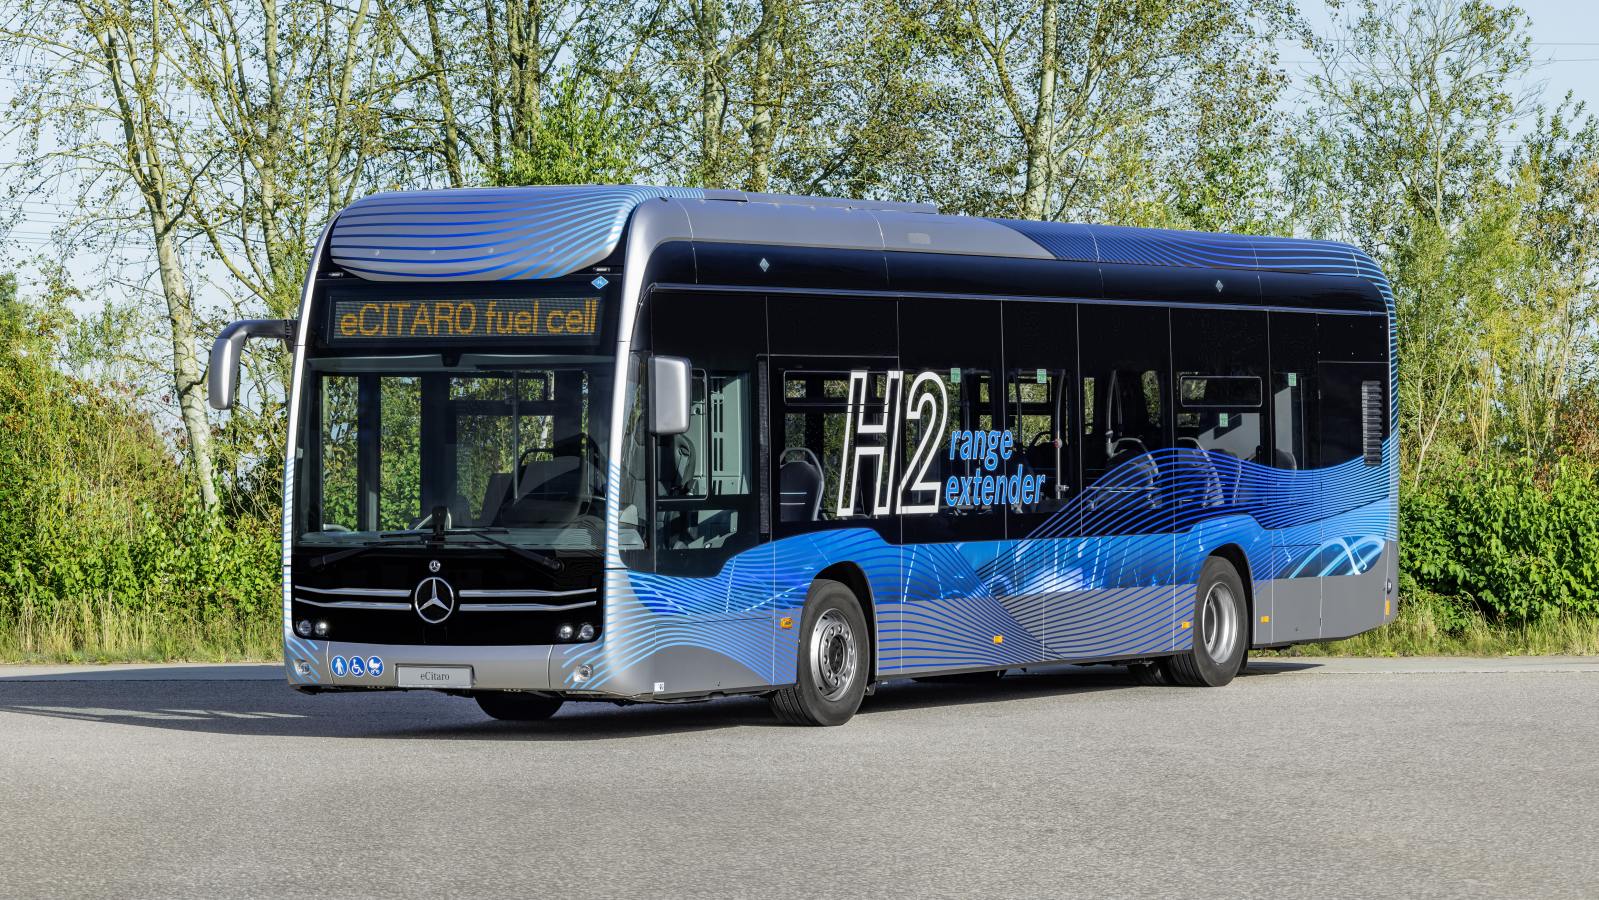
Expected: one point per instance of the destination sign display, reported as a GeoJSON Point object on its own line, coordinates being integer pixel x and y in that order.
{"type": "Point", "coordinates": [463, 318]}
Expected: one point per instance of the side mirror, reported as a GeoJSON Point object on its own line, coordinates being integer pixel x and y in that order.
{"type": "Point", "coordinates": [669, 395]}
{"type": "Point", "coordinates": [222, 381]}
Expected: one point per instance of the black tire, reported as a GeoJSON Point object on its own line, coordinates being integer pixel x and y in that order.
{"type": "Point", "coordinates": [1149, 672]}
{"type": "Point", "coordinates": [517, 706]}
{"type": "Point", "coordinates": [1220, 628]}
{"type": "Point", "coordinates": [833, 661]}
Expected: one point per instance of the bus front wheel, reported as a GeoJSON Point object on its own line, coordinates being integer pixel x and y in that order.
{"type": "Point", "coordinates": [517, 706]}
{"type": "Point", "coordinates": [833, 660]}
{"type": "Point", "coordinates": [1220, 628]}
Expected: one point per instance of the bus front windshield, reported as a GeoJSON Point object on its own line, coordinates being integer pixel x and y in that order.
{"type": "Point", "coordinates": [507, 448]}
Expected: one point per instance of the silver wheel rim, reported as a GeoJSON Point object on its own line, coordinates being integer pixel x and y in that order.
{"type": "Point", "coordinates": [1219, 622]}
{"type": "Point", "coordinates": [832, 655]}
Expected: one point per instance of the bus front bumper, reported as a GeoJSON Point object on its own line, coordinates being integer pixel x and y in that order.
{"type": "Point", "coordinates": [333, 664]}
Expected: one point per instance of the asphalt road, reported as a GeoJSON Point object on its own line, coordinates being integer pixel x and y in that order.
{"type": "Point", "coordinates": [1303, 778]}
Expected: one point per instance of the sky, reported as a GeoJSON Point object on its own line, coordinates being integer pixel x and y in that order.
{"type": "Point", "coordinates": [1565, 35]}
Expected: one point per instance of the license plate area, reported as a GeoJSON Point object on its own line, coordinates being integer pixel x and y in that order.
{"type": "Point", "coordinates": [451, 677]}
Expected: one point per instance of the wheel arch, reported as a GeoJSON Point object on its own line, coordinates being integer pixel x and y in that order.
{"type": "Point", "coordinates": [853, 577]}
{"type": "Point", "coordinates": [1235, 555]}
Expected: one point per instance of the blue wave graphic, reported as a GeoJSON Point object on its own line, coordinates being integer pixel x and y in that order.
{"type": "Point", "coordinates": [1110, 575]}
{"type": "Point", "coordinates": [484, 234]}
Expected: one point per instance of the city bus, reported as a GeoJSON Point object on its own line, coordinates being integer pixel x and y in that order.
{"type": "Point", "coordinates": [648, 444]}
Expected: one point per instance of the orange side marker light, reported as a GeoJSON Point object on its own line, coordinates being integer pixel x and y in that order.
{"type": "Point", "coordinates": [786, 622]}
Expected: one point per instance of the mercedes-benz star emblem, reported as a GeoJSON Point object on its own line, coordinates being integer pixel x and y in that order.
{"type": "Point", "coordinates": [433, 600]}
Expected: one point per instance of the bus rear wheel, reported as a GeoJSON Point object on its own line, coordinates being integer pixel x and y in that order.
{"type": "Point", "coordinates": [517, 706]}
{"type": "Point", "coordinates": [1220, 629]}
{"type": "Point", "coordinates": [833, 661]}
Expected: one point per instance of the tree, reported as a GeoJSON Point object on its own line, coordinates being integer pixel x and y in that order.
{"type": "Point", "coordinates": [1108, 107]}
{"type": "Point", "coordinates": [777, 95]}
{"type": "Point", "coordinates": [99, 73]}
{"type": "Point", "coordinates": [1403, 155]}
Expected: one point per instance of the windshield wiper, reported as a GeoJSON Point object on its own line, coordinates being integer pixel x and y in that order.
{"type": "Point", "coordinates": [487, 534]}
{"type": "Point", "coordinates": [428, 536]}
{"type": "Point", "coordinates": [385, 539]}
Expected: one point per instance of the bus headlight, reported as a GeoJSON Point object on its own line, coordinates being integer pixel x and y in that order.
{"type": "Point", "coordinates": [564, 632]}
{"type": "Point", "coordinates": [322, 628]}
{"type": "Point", "coordinates": [303, 628]}
{"type": "Point", "coordinates": [586, 633]}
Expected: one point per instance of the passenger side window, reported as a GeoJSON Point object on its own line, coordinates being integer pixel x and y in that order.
{"type": "Point", "coordinates": [815, 410]}
{"type": "Point", "coordinates": [705, 478]}
{"type": "Point", "coordinates": [1290, 425]}
{"type": "Point", "coordinates": [1220, 357]}
{"type": "Point", "coordinates": [1039, 413]}
{"type": "Point", "coordinates": [1124, 358]}
{"type": "Point", "coordinates": [971, 409]}
{"type": "Point", "coordinates": [1353, 408]}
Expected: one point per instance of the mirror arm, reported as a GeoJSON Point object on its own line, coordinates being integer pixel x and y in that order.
{"type": "Point", "coordinates": [222, 380]}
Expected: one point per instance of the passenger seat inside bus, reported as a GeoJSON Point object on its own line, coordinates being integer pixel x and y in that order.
{"type": "Point", "coordinates": [799, 485]}
{"type": "Point", "coordinates": [1210, 493]}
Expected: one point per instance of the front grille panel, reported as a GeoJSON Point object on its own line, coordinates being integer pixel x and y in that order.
{"type": "Point", "coordinates": [498, 599]}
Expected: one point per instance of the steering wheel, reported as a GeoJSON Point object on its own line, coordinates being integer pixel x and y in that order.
{"type": "Point", "coordinates": [1040, 438]}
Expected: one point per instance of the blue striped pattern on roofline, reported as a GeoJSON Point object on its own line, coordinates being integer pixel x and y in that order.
{"type": "Point", "coordinates": [483, 234]}
{"type": "Point", "coordinates": [1118, 244]}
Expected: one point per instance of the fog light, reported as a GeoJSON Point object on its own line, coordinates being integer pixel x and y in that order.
{"type": "Point", "coordinates": [322, 628]}
{"type": "Point", "coordinates": [586, 633]}
{"type": "Point", "coordinates": [564, 632]}
{"type": "Point", "coordinates": [303, 629]}
{"type": "Point", "coordinates": [302, 668]}
{"type": "Point", "coordinates": [583, 673]}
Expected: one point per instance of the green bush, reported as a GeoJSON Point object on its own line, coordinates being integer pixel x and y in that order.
{"type": "Point", "coordinates": [1505, 538]}
{"type": "Point", "coordinates": [96, 514]}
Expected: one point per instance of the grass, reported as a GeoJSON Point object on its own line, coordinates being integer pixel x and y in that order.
{"type": "Point", "coordinates": [102, 631]}
{"type": "Point", "coordinates": [1426, 627]}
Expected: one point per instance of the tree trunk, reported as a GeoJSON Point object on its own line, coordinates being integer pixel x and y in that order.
{"type": "Point", "coordinates": [441, 83]}
{"type": "Point", "coordinates": [1041, 136]}
{"type": "Point", "coordinates": [522, 37]}
{"type": "Point", "coordinates": [713, 92]}
{"type": "Point", "coordinates": [762, 96]}
{"type": "Point", "coordinates": [133, 84]}
{"type": "Point", "coordinates": [185, 361]}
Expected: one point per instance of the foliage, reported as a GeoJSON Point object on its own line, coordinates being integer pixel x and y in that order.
{"type": "Point", "coordinates": [1505, 539]}
{"type": "Point", "coordinates": [94, 508]}
{"type": "Point", "coordinates": [576, 141]}
{"type": "Point", "coordinates": [206, 144]}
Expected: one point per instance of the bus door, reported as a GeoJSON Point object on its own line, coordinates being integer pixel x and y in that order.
{"type": "Point", "coordinates": [830, 498]}
{"type": "Point", "coordinates": [1043, 517]}
{"type": "Point", "coordinates": [706, 523]}
{"type": "Point", "coordinates": [1295, 593]}
{"type": "Point", "coordinates": [963, 607]}
{"type": "Point", "coordinates": [1127, 602]}
{"type": "Point", "coordinates": [1219, 362]}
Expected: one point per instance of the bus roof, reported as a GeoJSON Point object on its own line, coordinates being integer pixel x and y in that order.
{"type": "Point", "coordinates": [481, 234]}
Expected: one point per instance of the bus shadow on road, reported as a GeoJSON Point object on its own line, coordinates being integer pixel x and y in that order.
{"type": "Point", "coordinates": [266, 708]}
